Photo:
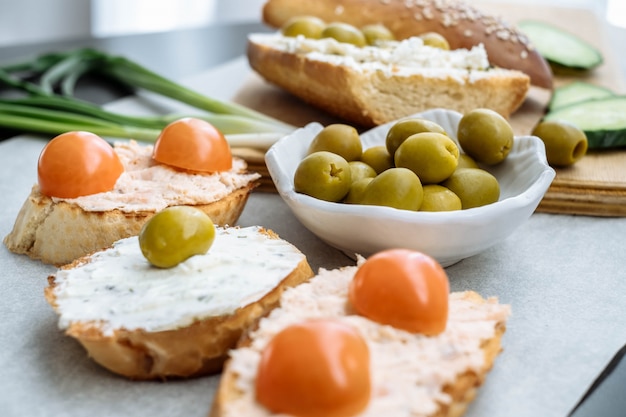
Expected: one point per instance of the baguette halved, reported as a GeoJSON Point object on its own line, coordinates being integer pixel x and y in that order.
{"type": "Point", "coordinates": [462, 24]}
{"type": "Point", "coordinates": [144, 322]}
{"type": "Point", "coordinates": [374, 85]}
{"type": "Point", "coordinates": [58, 231]}
{"type": "Point", "coordinates": [412, 374]}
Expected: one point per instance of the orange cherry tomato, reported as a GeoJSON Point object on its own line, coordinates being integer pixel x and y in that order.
{"type": "Point", "coordinates": [402, 288]}
{"type": "Point", "coordinates": [317, 368]}
{"type": "Point", "coordinates": [193, 144]}
{"type": "Point", "coordinates": [77, 163]}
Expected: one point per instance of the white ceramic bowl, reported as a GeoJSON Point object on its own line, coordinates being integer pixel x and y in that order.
{"type": "Point", "coordinates": [449, 237]}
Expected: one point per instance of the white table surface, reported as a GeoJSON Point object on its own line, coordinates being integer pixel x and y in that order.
{"type": "Point", "coordinates": [563, 276]}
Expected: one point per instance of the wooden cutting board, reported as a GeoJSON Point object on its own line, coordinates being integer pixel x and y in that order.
{"type": "Point", "coordinates": [596, 185]}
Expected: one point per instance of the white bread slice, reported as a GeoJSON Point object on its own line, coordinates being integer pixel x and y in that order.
{"type": "Point", "coordinates": [366, 87]}
{"type": "Point", "coordinates": [462, 24]}
{"type": "Point", "coordinates": [58, 231]}
{"type": "Point", "coordinates": [150, 323]}
{"type": "Point", "coordinates": [412, 374]}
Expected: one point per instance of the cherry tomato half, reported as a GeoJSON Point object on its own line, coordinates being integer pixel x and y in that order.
{"type": "Point", "coordinates": [193, 144]}
{"type": "Point", "coordinates": [77, 163]}
{"type": "Point", "coordinates": [402, 288]}
{"type": "Point", "coordinates": [317, 368]}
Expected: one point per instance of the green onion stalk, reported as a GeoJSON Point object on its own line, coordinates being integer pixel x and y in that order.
{"type": "Point", "coordinates": [50, 107]}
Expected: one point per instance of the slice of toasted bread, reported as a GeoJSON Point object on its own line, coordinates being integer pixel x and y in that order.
{"type": "Point", "coordinates": [143, 322]}
{"type": "Point", "coordinates": [461, 23]}
{"type": "Point", "coordinates": [58, 231]}
{"type": "Point", "coordinates": [412, 374]}
{"type": "Point", "coordinates": [368, 92]}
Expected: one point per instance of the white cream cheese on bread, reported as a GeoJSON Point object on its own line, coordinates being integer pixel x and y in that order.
{"type": "Point", "coordinates": [146, 185]}
{"type": "Point", "coordinates": [409, 370]}
{"type": "Point", "coordinates": [120, 289]}
{"type": "Point", "coordinates": [409, 56]}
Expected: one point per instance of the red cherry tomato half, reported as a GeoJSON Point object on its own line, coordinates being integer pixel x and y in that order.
{"type": "Point", "coordinates": [194, 145]}
{"type": "Point", "coordinates": [402, 288]}
{"type": "Point", "coordinates": [317, 368]}
{"type": "Point", "coordinates": [77, 163]}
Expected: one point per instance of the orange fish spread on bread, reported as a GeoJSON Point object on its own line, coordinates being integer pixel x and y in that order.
{"type": "Point", "coordinates": [90, 194]}
{"type": "Point", "coordinates": [386, 334]}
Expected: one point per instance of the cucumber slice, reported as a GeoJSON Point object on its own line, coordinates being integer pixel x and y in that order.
{"type": "Point", "coordinates": [603, 120]}
{"type": "Point", "coordinates": [561, 47]}
{"type": "Point", "coordinates": [576, 92]}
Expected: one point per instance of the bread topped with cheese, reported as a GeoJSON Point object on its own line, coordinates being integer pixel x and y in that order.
{"type": "Point", "coordinates": [412, 373]}
{"type": "Point", "coordinates": [373, 85]}
{"type": "Point", "coordinates": [59, 230]}
{"type": "Point", "coordinates": [145, 322]}
{"type": "Point", "coordinates": [462, 23]}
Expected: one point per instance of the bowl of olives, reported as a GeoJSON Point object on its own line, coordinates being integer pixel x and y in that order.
{"type": "Point", "coordinates": [422, 183]}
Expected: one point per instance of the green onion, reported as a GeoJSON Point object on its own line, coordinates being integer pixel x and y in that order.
{"type": "Point", "coordinates": [50, 106]}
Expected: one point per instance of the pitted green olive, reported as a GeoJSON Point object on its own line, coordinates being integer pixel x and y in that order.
{"type": "Point", "coordinates": [565, 143]}
{"type": "Point", "coordinates": [361, 170]}
{"type": "Point", "coordinates": [432, 156]}
{"type": "Point", "coordinates": [395, 187]}
{"type": "Point", "coordinates": [338, 138]}
{"type": "Point", "coordinates": [378, 158]}
{"type": "Point", "coordinates": [435, 40]}
{"type": "Point", "coordinates": [344, 32]}
{"type": "Point", "coordinates": [376, 33]}
{"type": "Point", "coordinates": [324, 175]}
{"type": "Point", "coordinates": [439, 198]}
{"type": "Point", "coordinates": [307, 26]}
{"type": "Point", "coordinates": [486, 136]}
{"type": "Point", "coordinates": [408, 127]}
{"type": "Point", "coordinates": [175, 234]}
{"type": "Point", "coordinates": [475, 187]}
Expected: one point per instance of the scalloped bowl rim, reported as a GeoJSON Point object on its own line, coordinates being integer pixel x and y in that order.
{"type": "Point", "coordinates": [282, 159]}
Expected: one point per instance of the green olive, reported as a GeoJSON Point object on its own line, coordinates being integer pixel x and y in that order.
{"type": "Point", "coordinates": [376, 33]}
{"type": "Point", "coordinates": [466, 161]}
{"type": "Point", "coordinates": [396, 187]}
{"type": "Point", "coordinates": [565, 143]}
{"type": "Point", "coordinates": [401, 130]}
{"type": "Point", "coordinates": [435, 40]}
{"type": "Point", "coordinates": [344, 32]}
{"type": "Point", "coordinates": [307, 26]}
{"type": "Point", "coordinates": [324, 175]}
{"type": "Point", "coordinates": [175, 234]}
{"type": "Point", "coordinates": [344, 140]}
{"type": "Point", "coordinates": [475, 187]}
{"type": "Point", "coordinates": [432, 156]}
{"type": "Point", "coordinates": [357, 190]}
{"type": "Point", "coordinates": [439, 198]}
{"type": "Point", "coordinates": [378, 158]}
{"type": "Point", "coordinates": [486, 136]}
{"type": "Point", "coordinates": [360, 170]}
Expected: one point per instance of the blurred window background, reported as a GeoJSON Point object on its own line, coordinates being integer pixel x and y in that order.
{"type": "Point", "coordinates": [27, 21]}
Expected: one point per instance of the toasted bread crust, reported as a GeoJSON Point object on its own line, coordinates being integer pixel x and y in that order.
{"type": "Point", "coordinates": [59, 232]}
{"type": "Point", "coordinates": [461, 24]}
{"type": "Point", "coordinates": [372, 98]}
{"type": "Point", "coordinates": [462, 391]}
{"type": "Point", "coordinates": [195, 350]}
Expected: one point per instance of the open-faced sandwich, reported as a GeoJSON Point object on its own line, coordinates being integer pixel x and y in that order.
{"type": "Point", "coordinates": [371, 85]}
{"type": "Point", "coordinates": [383, 338]}
{"type": "Point", "coordinates": [462, 24]}
{"type": "Point", "coordinates": [90, 194]}
{"type": "Point", "coordinates": [171, 302]}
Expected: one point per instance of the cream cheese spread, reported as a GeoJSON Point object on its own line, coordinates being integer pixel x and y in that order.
{"type": "Point", "coordinates": [146, 185]}
{"type": "Point", "coordinates": [120, 289]}
{"type": "Point", "coordinates": [408, 56]}
{"type": "Point", "coordinates": [409, 370]}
